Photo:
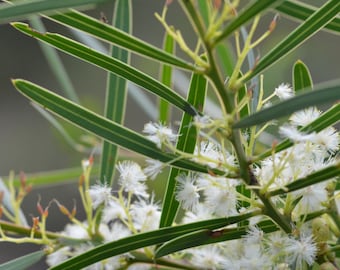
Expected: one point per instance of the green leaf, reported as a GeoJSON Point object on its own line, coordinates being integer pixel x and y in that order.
{"type": "Point", "coordinates": [204, 237]}
{"type": "Point", "coordinates": [116, 92]}
{"type": "Point", "coordinates": [186, 143]}
{"type": "Point", "coordinates": [205, 10]}
{"type": "Point", "coordinates": [166, 79]}
{"type": "Point", "coordinates": [53, 177]}
{"type": "Point", "coordinates": [250, 11]}
{"type": "Point", "coordinates": [113, 35]}
{"type": "Point", "coordinates": [55, 63]}
{"type": "Point", "coordinates": [324, 93]}
{"type": "Point", "coordinates": [23, 262]}
{"type": "Point", "coordinates": [302, 11]}
{"type": "Point", "coordinates": [301, 77]}
{"type": "Point", "coordinates": [102, 127]}
{"type": "Point", "coordinates": [110, 64]}
{"type": "Point", "coordinates": [23, 9]}
{"type": "Point", "coordinates": [328, 118]}
{"type": "Point", "coordinates": [312, 179]}
{"type": "Point", "coordinates": [307, 29]}
{"type": "Point", "coordinates": [134, 242]}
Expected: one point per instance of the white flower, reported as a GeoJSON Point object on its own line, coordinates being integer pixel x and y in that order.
{"type": "Point", "coordinates": [159, 134]}
{"type": "Point", "coordinates": [293, 134]}
{"type": "Point", "coordinates": [209, 154]}
{"type": "Point", "coordinates": [284, 91]}
{"type": "Point", "coordinates": [76, 231]}
{"type": "Point", "coordinates": [99, 194]}
{"type": "Point", "coordinates": [146, 215]}
{"type": "Point", "coordinates": [187, 191]}
{"type": "Point", "coordinates": [254, 235]}
{"type": "Point", "coordinates": [112, 211]}
{"type": "Point", "coordinates": [221, 201]}
{"type": "Point", "coordinates": [132, 178]}
{"type": "Point", "coordinates": [58, 256]}
{"type": "Point", "coordinates": [153, 168]}
{"type": "Point", "coordinates": [208, 257]}
{"type": "Point", "coordinates": [304, 117]}
{"type": "Point", "coordinates": [302, 250]}
{"type": "Point", "coordinates": [313, 198]}
{"type": "Point", "coordinates": [327, 139]}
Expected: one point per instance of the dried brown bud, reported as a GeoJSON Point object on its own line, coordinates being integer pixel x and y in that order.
{"type": "Point", "coordinates": [35, 225]}
{"type": "Point", "coordinates": [217, 4]}
{"type": "Point", "coordinates": [272, 24]}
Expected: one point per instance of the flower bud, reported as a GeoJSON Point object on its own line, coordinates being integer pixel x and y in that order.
{"type": "Point", "coordinates": [327, 266]}
{"type": "Point", "coordinates": [320, 230]}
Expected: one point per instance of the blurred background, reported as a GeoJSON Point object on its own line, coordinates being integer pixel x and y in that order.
{"type": "Point", "coordinates": [30, 144]}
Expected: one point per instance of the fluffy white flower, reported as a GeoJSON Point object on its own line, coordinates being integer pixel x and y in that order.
{"type": "Point", "coordinates": [187, 191]}
{"type": "Point", "coordinates": [146, 215]}
{"type": "Point", "coordinates": [132, 178]}
{"type": "Point", "coordinates": [327, 139]}
{"type": "Point", "coordinates": [208, 153]}
{"type": "Point", "coordinates": [154, 167]}
{"type": "Point", "coordinates": [208, 257]}
{"type": "Point", "coordinates": [58, 256]}
{"type": "Point", "coordinates": [76, 231]}
{"type": "Point", "coordinates": [304, 117]}
{"type": "Point", "coordinates": [293, 134]}
{"type": "Point", "coordinates": [301, 251]}
{"type": "Point", "coordinates": [312, 200]}
{"type": "Point", "coordinates": [284, 91]}
{"type": "Point", "coordinates": [159, 134]}
{"type": "Point", "coordinates": [221, 201]}
{"type": "Point", "coordinates": [112, 211]}
{"type": "Point", "coordinates": [99, 194]}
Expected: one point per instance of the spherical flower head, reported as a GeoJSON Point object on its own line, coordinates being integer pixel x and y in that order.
{"type": "Point", "coordinates": [132, 178]}
{"type": "Point", "coordinates": [99, 194]}
{"type": "Point", "coordinates": [293, 134]}
{"type": "Point", "coordinates": [301, 251]}
{"type": "Point", "coordinates": [159, 134]}
{"type": "Point", "coordinates": [284, 91]}
{"type": "Point", "coordinates": [209, 257]}
{"type": "Point", "coordinates": [312, 199]}
{"type": "Point", "coordinates": [221, 201]}
{"type": "Point", "coordinates": [112, 211]}
{"type": "Point", "coordinates": [58, 256]}
{"type": "Point", "coordinates": [209, 151]}
{"type": "Point", "coordinates": [304, 117]}
{"type": "Point", "coordinates": [153, 168]}
{"type": "Point", "coordinates": [146, 215]}
{"type": "Point", "coordinates": [187, 191]}
{"type": "Point", "coordinates": [76, 231]}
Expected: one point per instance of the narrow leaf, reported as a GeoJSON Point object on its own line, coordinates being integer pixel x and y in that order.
{"type": "Point", "coordinates": [204, 237]}
{"type": "Point", "coordinates": [116, 92]}
{"type": "Point", "coordinates": [143, 240]}
{"type": "Point", "coordinates": [307, 29]}
{"type": "Point", "coordinates": [110, 64]}
{"type": "Point", "coordinates": [250, 11]}
{"type": "Point", "coordinates": [113, 35]}
{"type": "Point", "coordinates": [23, 262]}
{"type": "Point", "coordinates": [328, 118]}
{"type": "Point", "coordinates": [186, 143]}
{"type": "Point", "coordinates": [324, 93]}
{"type": "Point", "coordinates": [302, 11]}
{"type": "Point", "coordinates": [166, 79]}
{"type": "Point", "coordinates": [23, 9]}
{"type": "Point", "coordinates": [101, 126]}
{"type": "Point", "coordinates": [312, 179]}
{"type": "Point", "coordinates": [301, 77]}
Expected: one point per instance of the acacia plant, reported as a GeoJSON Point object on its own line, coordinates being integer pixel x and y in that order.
{"type": "Point", "coordinates": [232, 200]}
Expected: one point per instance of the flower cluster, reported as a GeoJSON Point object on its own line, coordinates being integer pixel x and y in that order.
{"type": "Point", "coordinates": [131, 209]}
